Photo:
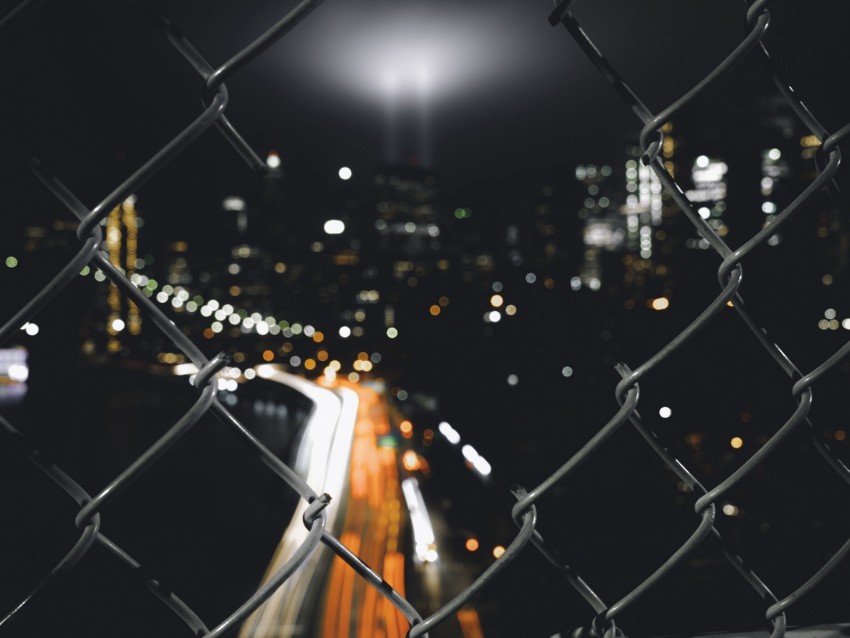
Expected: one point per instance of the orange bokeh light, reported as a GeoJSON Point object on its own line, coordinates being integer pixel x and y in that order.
{"type": "Point", "coordinates": [410, 461]}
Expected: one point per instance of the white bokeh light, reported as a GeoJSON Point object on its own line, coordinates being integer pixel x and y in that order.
{"type": "Point", "coordinates": [334, 227]}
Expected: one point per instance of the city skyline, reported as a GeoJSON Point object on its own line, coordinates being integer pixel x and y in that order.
{"type": "Point", "coordinates": [464, 247]}
{"type": "Point", "coordinates": [449, 278]}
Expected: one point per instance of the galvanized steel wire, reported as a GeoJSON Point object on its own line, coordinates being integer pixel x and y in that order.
{"type": "Point", "coordinates": [602, 615]}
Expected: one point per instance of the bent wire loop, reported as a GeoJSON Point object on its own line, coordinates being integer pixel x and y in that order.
{"type": "Point", "coordinates": [214, 78]}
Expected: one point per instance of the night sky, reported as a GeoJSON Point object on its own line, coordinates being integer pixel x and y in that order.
{"type": "Point", "coordinates": [510, 100]}
{"type": "Point", "coordinates": [512, 103]}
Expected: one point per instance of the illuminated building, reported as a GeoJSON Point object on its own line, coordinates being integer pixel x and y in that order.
{"type": "Point", "coordinates": [603, 228]}
{"type": "Point", "coordinates": [781, 163]}
{"type": "Point", "coordinates": [122, 242]}
{"type": "Point", "coordinates": [59, 234]}
{"type": "Point", "coordinates": [407, 219]}
{"type": "Point", "coordinates": [708, 195]}
{"type": "Point", "coordinates": [122, 318]}
{"type": "Point", "coordinates": [635, 218]}
{"type": "Point", "coordinates": [651, 226]}
{"type": "Point", "coordinates": [14, 372]}
{"type": "Point", "coordinates": [546, 243]}
{"type": "Point", "coordinates": [774, 169]}
{"type": "Point", "coordinates": [407, 245]}
{"type": "Point", "coordinates": [245, 276]}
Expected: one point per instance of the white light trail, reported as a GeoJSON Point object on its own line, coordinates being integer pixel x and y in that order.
{"type": "Point", "coordinates": [452, 435]}
{"type": "Point", "coordinates": [423, 532]}
{"type": "Point", "coordinates": [478, 462]}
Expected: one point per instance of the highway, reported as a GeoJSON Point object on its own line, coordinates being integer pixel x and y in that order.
{"type": "Point", "coordinates": [348, 450]}
{"type": "Point", "coordinates": [371, 529]}
{"type": "Point", "coordinates": [322, 459]}
{"type": "Point", "coordinates": [338, 453]}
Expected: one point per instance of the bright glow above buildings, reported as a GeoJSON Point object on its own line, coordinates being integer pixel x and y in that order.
{"type": "Point", "coordinates": [344, 173]}
{"type": "Point", "coordinates": [665, 412]}
{"type": "Point", "coordinates": [411, 50]}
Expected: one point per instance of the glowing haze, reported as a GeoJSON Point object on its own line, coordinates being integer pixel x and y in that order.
{"type": "Point", "coordinates": [413, 50]}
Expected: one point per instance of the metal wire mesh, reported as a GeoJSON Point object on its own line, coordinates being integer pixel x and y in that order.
{"type": "Point", "coordinates": [730, 272]}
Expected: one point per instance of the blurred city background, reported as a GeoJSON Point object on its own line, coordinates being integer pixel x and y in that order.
{"type": "Point", "coordinates": [456, 240]}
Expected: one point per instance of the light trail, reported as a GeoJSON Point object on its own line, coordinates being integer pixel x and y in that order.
{"type": "Point", "coordinates": [470, 625]}
{"type": "Point", "coordinates": [373, 527]}
{"type": "Point", "coordinates": [339, 454]}
{"type": "Point", "coordinates": [322, 460]}
{"type": "Point", "coordinates": [423, 532]}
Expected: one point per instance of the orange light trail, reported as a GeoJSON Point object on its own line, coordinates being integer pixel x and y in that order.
{"type": "Point", "coordinates": [470, 625]}
{"type": "Point", "coordinates": [371, 529]}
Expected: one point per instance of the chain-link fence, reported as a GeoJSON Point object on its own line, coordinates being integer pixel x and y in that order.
{"type": "Point", "coordinates": [603, 614]}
